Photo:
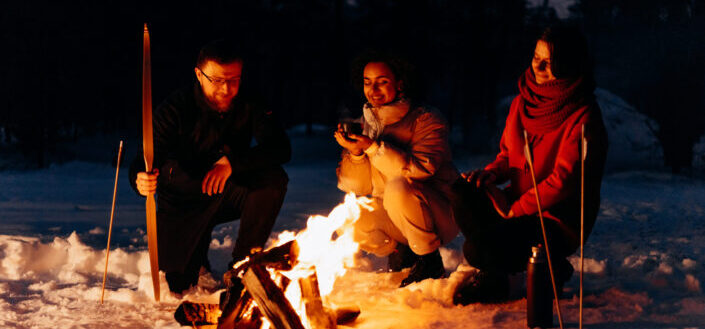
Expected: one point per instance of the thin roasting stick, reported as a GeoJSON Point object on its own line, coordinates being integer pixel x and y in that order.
{"type": "Point", "coordinates": [583, 155]}
{"type": "Point", "coordinates": [527, 154]}
{"type": "Point", "coordinates": [110, 229]}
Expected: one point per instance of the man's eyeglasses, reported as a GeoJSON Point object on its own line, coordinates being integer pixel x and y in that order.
{"type": "Point", "coordinates": [220, 82]}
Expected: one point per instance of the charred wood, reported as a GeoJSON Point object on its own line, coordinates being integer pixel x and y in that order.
{"type": "Point", "coordinates": [318, 316]}
{"type": "Point", "coordinates": [346, 315]}
{"type": "Point", "coordinates": [270, 299]}
{"type": "Point", "coordinates": [197, 314]}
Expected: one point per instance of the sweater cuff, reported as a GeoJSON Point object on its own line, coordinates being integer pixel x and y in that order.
{"type": "Point", "coordinates": [517, 210]}
{"type": "Point", "coordinates": [236, 163]}
{"type": "Point", "coordinates": [357, 158]}
{"type": "Point", "coordinates": [493, 169]}
{"type": "Point", "coordinates": [372, 149]}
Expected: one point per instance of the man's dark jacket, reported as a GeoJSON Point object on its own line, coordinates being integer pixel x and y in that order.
{"type": "Point", "coordinates": [189, 137]}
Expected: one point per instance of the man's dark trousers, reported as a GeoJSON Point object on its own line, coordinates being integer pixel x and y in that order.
{"type": "Point", "coordinates": [186, 217]}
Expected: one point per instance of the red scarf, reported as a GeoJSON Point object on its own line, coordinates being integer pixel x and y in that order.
{"type": "Point", "coordinates": [544, 107]}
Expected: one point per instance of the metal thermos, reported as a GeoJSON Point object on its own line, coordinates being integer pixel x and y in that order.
{"type": "Point", "coordinates": [539, 296]}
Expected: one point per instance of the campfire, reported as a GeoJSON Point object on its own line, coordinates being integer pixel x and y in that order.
{"type": "Point", "coordinates": [286, 286]}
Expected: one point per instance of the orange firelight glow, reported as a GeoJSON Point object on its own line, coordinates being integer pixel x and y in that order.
{"type": "Point", "coordinates": [326, 246]}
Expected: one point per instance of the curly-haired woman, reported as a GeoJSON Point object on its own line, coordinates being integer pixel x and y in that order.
{"type": "Point", "coordinates": [401, 158]}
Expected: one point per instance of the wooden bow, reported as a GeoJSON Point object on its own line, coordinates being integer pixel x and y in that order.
{"type": "Point", "coordinates": [148, 146]}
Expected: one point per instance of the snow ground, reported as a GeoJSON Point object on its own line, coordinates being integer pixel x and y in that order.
{"type": "Point", "coordinates": [644, 260]}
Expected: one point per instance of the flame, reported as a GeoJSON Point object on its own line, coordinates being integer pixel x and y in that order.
{"type": "Point", "coordinates": [265, 323]}
{"type": "Point", "coordinates": [327, 246]}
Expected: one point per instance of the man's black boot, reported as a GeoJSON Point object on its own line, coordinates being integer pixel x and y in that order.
{"type": "Point", "coordinates": [428, 266]}
{"type": "Point", "coordinates": [401, 258]}
{"type": "Point", "coordinates": [180, 282]}
{"type": "Point", "coordinates": [482, 287]}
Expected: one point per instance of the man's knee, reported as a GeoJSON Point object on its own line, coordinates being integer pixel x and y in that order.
{"type": "Point", "coordinates": [269, 182]}
{"type": "Point", "coordinates": [273, 178]}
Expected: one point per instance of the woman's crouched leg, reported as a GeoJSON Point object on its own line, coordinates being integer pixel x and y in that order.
{"type": "Point", "coordinates": [424, 217]}
{"type": "Point", "coordinates": [422, 214]}
{"type": "Point", "coordinates": [375, 232]}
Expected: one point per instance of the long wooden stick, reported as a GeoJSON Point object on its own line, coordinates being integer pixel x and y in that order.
{"type": "Point", "coordinates": [527, 154]}
{"type": "Point", "coordinates": [583, 155]}
{"type": "Point", "coordinates": [148, 147]}
{"type": "Point", "coordinates": [110, 229]}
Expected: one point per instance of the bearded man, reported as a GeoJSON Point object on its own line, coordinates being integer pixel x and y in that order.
{"type": "Point", "coordinates": [208, 171]}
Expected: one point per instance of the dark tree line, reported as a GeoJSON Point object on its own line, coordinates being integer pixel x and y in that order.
{"type": "Point", "coordinates": [72, 71]}
{"type": "Point", "coordinates": [652, 53]}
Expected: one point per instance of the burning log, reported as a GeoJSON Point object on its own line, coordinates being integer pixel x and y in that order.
{"type": "Point", "coordinates": [230, 297]}
{"type": "Point", "coordinates": [346, 315]}
{"type": "Point", "coordinates": [318, 316]}
{"type": "Point", "coordinates": [197, 314]}
{"type": "Point", "coordinates": [243, 314]}
{"type": "Point", "coordinates": [233, 304]}
{"type": "Point", "coordinates": [280, 258]}
{"type": "Point", "coordinates": [238, 308]}
{"type": "Point", "coordinates": [270, 299]}
{"type": "Point", "coordinates": [236, 303]}
{"type": "Point", "coordinates": [252, 291]}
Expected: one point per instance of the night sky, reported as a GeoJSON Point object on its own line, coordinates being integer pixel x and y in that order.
{"type": "Point", "coordinates": [72, 71]}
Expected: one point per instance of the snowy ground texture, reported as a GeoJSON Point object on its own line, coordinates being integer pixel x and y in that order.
{"type": "Point", "coordinates": [644, 266]}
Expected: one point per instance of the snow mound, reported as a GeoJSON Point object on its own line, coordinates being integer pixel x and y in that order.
{"type": "Point", "coordinates": [69, 261]}
{"type": "Point", "coordinates": [590, 265]}
{"type": "Point", "coordinates": [632, 136]}
{"type": "Point", "coordinates": [58, 285]}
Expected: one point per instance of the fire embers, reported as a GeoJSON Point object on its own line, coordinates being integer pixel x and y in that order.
{"type": "Point", "coordinates": [197, 314]}
{"type": "Point", "coordinates": [256, 289]}
{"type": "Point", "coordinates": [286, 286]}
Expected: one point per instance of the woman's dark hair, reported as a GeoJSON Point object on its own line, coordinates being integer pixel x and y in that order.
{"type": "Point", "coordinates": [400, 66]}
{"type": "Point", "coordinates": [570, 57]}
{"type": "Point", "coordinates": [221, 51]}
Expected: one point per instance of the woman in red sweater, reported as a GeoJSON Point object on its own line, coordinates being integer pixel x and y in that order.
{"type": "Point", "coordinates": [556, 97]}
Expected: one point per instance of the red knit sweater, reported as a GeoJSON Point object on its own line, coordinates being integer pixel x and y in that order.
{"type": "Point", "coordinates": [556, 156]}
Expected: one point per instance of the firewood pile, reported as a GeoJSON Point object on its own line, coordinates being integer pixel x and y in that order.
{"type": "Point", "coordinates": [255, 289]}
